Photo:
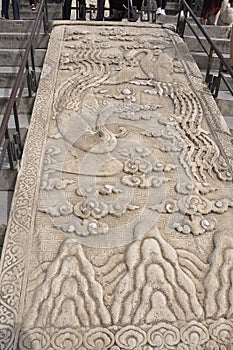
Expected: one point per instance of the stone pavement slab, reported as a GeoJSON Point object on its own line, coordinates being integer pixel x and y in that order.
{"type": "Point", "coordinates": [120, 234]}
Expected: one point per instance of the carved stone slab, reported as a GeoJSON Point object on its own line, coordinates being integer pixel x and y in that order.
{"type": "Point", "coordinates": [120, 236]}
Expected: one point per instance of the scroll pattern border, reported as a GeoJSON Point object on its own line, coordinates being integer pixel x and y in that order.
{"type": "Point", "coordinates": [20, 226]}
{"type": "Point", "coordinates": [212, 334]}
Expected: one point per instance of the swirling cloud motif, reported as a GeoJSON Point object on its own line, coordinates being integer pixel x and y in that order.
{"type": "Point", "coordinates": [66, 339]}
{"type": "Point", "coordinates": [98, 338]}
{"type": "Point", "coordinates": [154, 286]}
{"type": "Point", "coordinates": [130, 338]}
{"type": "Point", "coordinates": [194, 334]}
{"type": "Point", "coordinates": [219, 279]}
{"type": "Point", "coordinates": [221, 331]}
{"type": "Point", "coordinates": [163, 335]}
{"type": "Point", "coordinates": [36, 335]}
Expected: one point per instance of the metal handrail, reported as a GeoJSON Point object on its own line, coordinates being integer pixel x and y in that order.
{"type": "Point", "coordinates": [180, 28]}
{"type": "Point", "coordinates": [42, 15]}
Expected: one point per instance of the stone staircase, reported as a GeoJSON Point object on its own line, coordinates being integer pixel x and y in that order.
{"type": "Point", "coordinates": [13, 40]}
{"type": "Point", "coordinates": [220, 35]}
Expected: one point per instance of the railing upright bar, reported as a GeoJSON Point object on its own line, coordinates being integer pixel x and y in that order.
{"type": "Point", "coordinates": [211, 43]}
{"type": "Point", "coordinates": [209, 63]}
{"type": "Point", "coordinates": [197, 37]}
{"type": "Point", "coordinates": [45, 17]}
{"type": "Point", "coordinates": [3, 153]}
{"type": "Point", "coordinates": [3, 126]}
{"type": "Point", "coordinates": [10, 149]}
{"type": "Point", "coordinates": [28, 80]}
{"type": "Point", "coordinates": [17, 127]}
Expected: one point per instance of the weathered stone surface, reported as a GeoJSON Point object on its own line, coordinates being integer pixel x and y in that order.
{"type": "Point", "coordinates": [120, 235]}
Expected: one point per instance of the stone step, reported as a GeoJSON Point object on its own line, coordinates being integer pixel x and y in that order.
{"type": "Point", "coordinates": [225, 103]}
{"type": "Point", "coordinates": [54, 11]}
{"type": "Point", "coordinates": [25, 106]}
{"type": "Point", "coordinates": [21, 26]}
{"type": "Point", "coordinates": [170, 19]}
{"type": "Point", "coordinates": [13, 57]}
{"type": "Point", "coordinates": [213, 31]}
{"type": "Point", "coordinates": [24, 120]}
{"type": "Point", "coordinates": [2, 236]}
{"type": "Point", "coordinates": [9, 74]}
{"type": "Point", "coordinates": [222, 83]}
{"type": "Point", "coordinates": [229, 121]}
{"type": "Point", "coordinates": [223, 44]}
{"type": "Point", "coordinates": [5, 92]}
{"type": "Point", "coordinates": [12, 41]}
{"type": "Point", "coordinates": [5, 204]}
{"type": "Point", "coordinates": [202, 59]}
{"type": "Point", "coordinates": [7, 180]}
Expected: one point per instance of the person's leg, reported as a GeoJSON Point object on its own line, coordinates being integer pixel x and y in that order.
{"type": "Point", "coordinates": [100, 10]}
{"type": "Point", "coordinates": [231, 48]}
{"type": "Point", "coordinates": [205, 12]}
{"type": "Point", "coordinates": [117, 9]}
{"type": "Point", "coordinates": [16, 9]}
{"type": "Point", "coordinates": [137, 4]}
{"type": "Point", "coordinates": [159, 7]}
{"type": "Point", "coordinates": [82, 9]}
{"type": "Point", "coordinates": [32, 4]}
{"type": "Point", "coordinates": [66, 10]}
{"type": "Point", "coordinates": [164, 3]}
{"type": "Point", "coordinates": [204, 21]}
{"type": "Point", "coordinates": [5, 9]}
{"type": "Point", "coordinates": [216, 17]}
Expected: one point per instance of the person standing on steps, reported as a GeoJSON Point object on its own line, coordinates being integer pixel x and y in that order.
{"type": "Point", "coordinates": [100, 10]}
{"type": "Point", "coordinates": [231, 41]}
{"type": "Point", "coordinates": [190, 3]}
{"type": "Point", "coordinates": [211, 8]}
{"type": "Point", "coordinates": [231, 48]}
{"type": "Point", "coordinates": [33, 5]}
{"type": "Point", "coordinates": [161, 5]}
{"type": "Point", "coordinates": [16, 9]}
{"type": "Point", "coordinates": [117, 8]}
{"type": "Point", "coordinates": [5, 9]}
{"type": "Point", "coordinates": [66, 10]}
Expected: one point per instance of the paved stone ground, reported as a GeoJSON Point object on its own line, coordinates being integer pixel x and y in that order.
{"type": "Point", "coordinates": [120, 235]}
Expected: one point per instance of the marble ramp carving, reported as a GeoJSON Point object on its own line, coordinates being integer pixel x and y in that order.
{"type": "Point", "coordinates": [121, 234]}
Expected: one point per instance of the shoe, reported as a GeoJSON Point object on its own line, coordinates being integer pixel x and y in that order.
{"type": "Point", "coordinates": [115, 16]}
{"type": "Point", "coordinates": [163, 12]}
{"type": "Point", "coordinates": [134, 18]}
{"type": "Point", "coordinates": [33, 7]}
{"type": "Point", "coordinates": [3, 16]}
{"type": "Point", "coordinates": [159, 11]}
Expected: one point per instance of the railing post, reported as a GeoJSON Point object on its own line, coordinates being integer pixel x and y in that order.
{"type": "Point", "coordinates": [17, 127]}
{"type": "Point", "coordinates": [13, 144]}
{"type": "Point", "coordinates": [33, 72]}
{"type": "Point", "coordinates": [45, 17]}
{"type": "Point", "coordinates": [28, 80]}
{"type": "Point", "coordinates": [218, 81]}
{"type": "Point", "coordinates": [10, 149]}
{"type": "Point", "coordinates": [209, 64]}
